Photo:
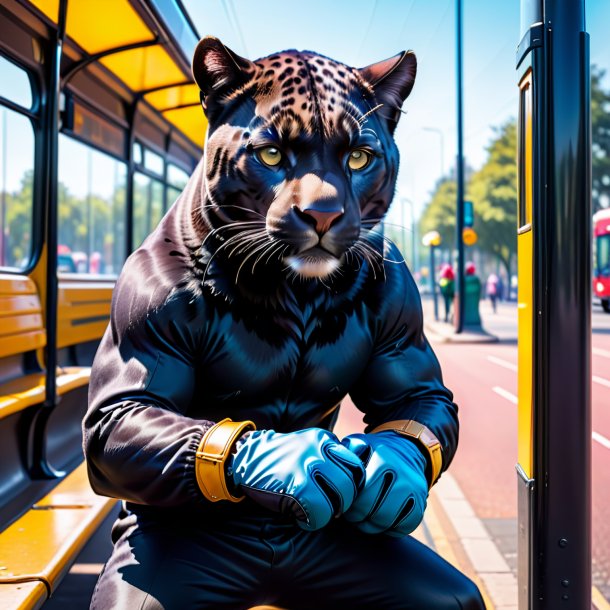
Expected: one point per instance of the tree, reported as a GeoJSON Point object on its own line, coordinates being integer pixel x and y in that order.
{"type": "Point", "coordinates": [439, 214]}
{"type": "Point", "coordinates": [600, 122]}
{"type": "Point", "coordinates": [493, 191]}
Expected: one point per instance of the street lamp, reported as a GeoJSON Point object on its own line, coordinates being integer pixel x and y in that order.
{"type": "Point", "coordinates": [433, 240]}
{"type": "Point", "coordinates": [403, 202]}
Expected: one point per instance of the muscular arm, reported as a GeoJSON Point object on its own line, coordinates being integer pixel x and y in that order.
{"type": "Point", "coordinates": [403, 379]}
{"type": "Point", "coordinates": [139, 444]}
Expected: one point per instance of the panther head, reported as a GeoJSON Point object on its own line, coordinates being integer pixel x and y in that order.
{"type": "Point", "coordinates": [300, 162]}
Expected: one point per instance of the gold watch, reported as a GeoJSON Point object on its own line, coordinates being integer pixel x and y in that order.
{"type": "Point", "coordinates": [424, 438]}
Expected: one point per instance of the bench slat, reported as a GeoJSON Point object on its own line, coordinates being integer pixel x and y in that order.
{"type": "Point", "coordinates": [18, 324]}
{"type": "Point", "coordinates": [84, 310]}
{"type": "Point", "coordinates": [16, 284]}
{"type": "Point", "coordinates": [29, 390]}
{"type": "Point", "coordinates": [19, 304]}
{"type": "Point", "coordinates": [43, 543]}
{"type": "Point", "coordinates": [23, 596]}
{"type": "Point", "coordinates": [70, 334]}
{"type": "Point", "coordinates": [24, 342]}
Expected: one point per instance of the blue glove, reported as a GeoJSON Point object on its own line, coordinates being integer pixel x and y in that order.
{"type": "Point", "coordinates": [394, 495]}
{"type": "Point", "coordinates": [308, 474]}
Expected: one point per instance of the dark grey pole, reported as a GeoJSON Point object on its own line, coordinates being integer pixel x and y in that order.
{"type": "Point", "coordinates": [40, 466]}
{"type": "Point", "coordinates": [563, 391]}
{"type": "Point", "coordinates": [459, 223]}
{"type": "Point", "coordinates": [433, 281]}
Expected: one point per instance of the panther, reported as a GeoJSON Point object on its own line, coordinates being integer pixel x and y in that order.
{"type": "Point", "coordinates": [266, 294]}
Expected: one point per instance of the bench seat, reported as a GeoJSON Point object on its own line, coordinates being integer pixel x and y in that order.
{"type": "Point", "coordinates": [37, 550]}
{"type": "Point", "coordinates": [28, 390]}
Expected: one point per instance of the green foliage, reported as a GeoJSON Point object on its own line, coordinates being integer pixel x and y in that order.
{"type": "Point", "coordinates": [439, 214]}
{"type": "Point", "coordinates": [493, 191]}
{"type": "Point", "coordinates": [600, 121]}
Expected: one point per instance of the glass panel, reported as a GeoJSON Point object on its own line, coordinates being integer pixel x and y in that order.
{"type": "Point", "coordinates": [603, 255]}
{"type": "Point", "coordinates": [16, 189]}
{"type": "Point", "coordinates": [15, 83]}
{"type": "Point", "coordinates": [172, 195]}
{"type": "Point", "coordinates": [137, 153]}
{"type": "Point", "coordinates": [153, 162]}
{"type": "Point", "coordinates": [92, 210]}
{"type": "Point", "coordinates": [147, 206]}
{"type": "Point", "coordinates": [96, 130]}
{"type": "Point", "coordinates": [176, 176]}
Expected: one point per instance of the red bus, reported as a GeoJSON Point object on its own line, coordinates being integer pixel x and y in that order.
{"type": "Point", "coordinates": [601, 274]}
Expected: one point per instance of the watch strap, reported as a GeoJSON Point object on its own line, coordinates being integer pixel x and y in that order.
{"type": "Point", "coordinates": [423, 437]}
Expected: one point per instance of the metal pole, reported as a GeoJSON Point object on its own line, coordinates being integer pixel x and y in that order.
{"type": "Point", "coordinates": [563, 391]}
{"type": "Point", "coordinates": [433, 282]}
{"type": "Point", "coordinates": [40, 466]}
{"type": "Point", "coordinates": [413, 240]}
{"type": "Point", "coordinates": [4, 235]}
{"type": "Point", "coordinates": [554, 307]}
{"type": "Point", "coordinates": [459, 224]}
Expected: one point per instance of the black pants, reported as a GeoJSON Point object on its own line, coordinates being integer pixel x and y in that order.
{"type": "Point", "coordinates": [172, 563]}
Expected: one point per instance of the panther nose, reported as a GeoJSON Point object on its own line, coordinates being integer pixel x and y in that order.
{"type": "Point", "coordinates": [322, 219]}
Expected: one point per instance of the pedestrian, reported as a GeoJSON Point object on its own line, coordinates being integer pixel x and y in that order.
{"type": "Point", "coordinates": [492, 290]}
{"type": "Point", "coordinates": [447, 286]}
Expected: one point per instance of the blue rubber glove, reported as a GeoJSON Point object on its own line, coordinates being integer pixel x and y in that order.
{"type": "Point", "coordinates": [308, 474]}
{"type": "Point", "coordinates": [394, 495]}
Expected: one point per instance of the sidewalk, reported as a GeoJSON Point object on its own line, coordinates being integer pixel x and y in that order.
{"type": "Point", "coordinates": [444, 332]}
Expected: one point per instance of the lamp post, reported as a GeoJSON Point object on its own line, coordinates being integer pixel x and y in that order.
{"type": "Point", "coordinates": [459, 224]}
{"type": "Point", "coordinates": [406, 201]}
{"type": "Point", "coordinates": [432, 239]}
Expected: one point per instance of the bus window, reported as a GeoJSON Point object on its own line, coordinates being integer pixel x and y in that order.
{"type": "Point", "coordinates": [153, 162]}
{"type": "Point", "coordinates": [92, 210]}
{"type": "Point", "coordinates": [176, 176]}
{"type": "Point", "coordinates": [16, 169]}
{"type": "Point", "coordinates": [148, 206]}
{"type": "Point", "coordinates": [176, 181]}
{"type": "Point", "coordinates": [603, 255]}
{"type": "Point", "coordinates": [15, 84]}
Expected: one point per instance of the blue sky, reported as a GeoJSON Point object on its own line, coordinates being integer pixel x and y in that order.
{"type": "Point", "coordinates": [359, 32]}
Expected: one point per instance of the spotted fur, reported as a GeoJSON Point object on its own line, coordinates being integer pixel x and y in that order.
{"type": "Point", "coordinates": [311, 216]}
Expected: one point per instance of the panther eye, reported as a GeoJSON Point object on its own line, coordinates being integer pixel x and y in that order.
{"type": "Point", "coordinates": [269, 155]}
{"type": "Point", "coordinates": [359, 159]}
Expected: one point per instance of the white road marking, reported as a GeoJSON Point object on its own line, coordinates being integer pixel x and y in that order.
{"type": "Point", "coordinates": [505, 394]}
{"type": "Point", "coordinates": [602, 440]}
{"type": "Point", "coordinates": [601, 381]}
{"type": "Point", "coordinates": [604, 353]}
{"type": "Point", "coordinates": [503, 363]}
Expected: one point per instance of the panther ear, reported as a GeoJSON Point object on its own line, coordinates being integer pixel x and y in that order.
{"type": "Point", "coordinates": [215, 67]}
{"type": "Point", "coordinates": [392, 81]}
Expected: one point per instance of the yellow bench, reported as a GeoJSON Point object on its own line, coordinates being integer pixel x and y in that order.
{"type": "Point", "coordinates": [42, 540]}
{"type": "Point", "coordinates": [37, 550]}
{"type": "Point", "coordinates": [22, 333]}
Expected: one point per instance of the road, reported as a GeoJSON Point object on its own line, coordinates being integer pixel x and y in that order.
{"type": "Point", "coordinates": [483, 378]}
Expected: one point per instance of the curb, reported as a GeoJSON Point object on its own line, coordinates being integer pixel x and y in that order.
{"type": "Point", "coordinates": [444, 333]}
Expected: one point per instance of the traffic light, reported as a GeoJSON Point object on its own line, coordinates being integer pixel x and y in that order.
{"type": "Point", "coordinates": [468, 214]}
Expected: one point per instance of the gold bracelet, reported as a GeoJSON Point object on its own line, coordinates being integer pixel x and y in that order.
{"type": "Point", "coordinates": [213, 451]}
{"type": "Point", "coordinates": [424, 438]}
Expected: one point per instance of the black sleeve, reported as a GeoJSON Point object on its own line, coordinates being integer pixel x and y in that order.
{"type": "Point", "coordinates": [403, 378]}
{"type": "Point", "coordinates": [139, 444]}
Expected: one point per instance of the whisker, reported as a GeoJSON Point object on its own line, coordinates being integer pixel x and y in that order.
{"type": "Point", "coordinates": [363, 117]}
{"type": "Point", "coordinates": [231, 205]}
